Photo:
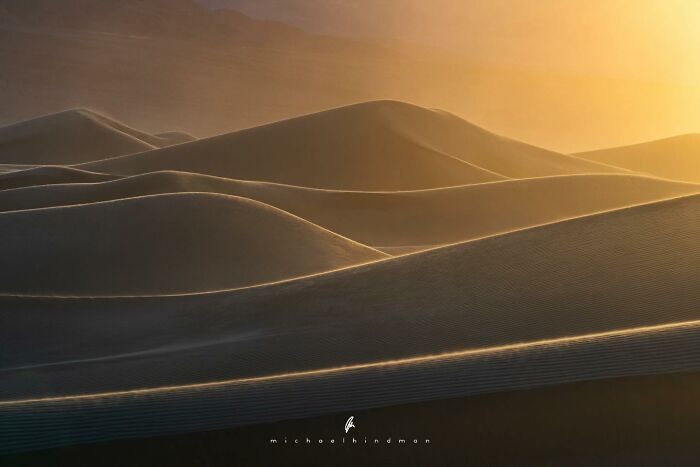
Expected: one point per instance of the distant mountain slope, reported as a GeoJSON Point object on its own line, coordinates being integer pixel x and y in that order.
{"type": "Point", "coordinates": [676, 158]}
{"type": "Point", "coordinates": [379, 145]}
{"type": "Point", "coordinates": [399, 219]}
{"type": "Point", "coordinates": [154, 18]}
{"type": "Point", "coordinates": [163, 244]}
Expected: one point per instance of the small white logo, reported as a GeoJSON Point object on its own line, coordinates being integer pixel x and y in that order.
{"type": "Point", "coordinates": [349, 424]}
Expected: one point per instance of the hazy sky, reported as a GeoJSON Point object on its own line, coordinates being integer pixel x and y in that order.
{"type": "Point", "coordinates": [639, 39]}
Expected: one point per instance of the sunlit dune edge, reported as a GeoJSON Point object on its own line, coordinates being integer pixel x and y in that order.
{"type": "Point", "coordinates": [541, 344]}
{"type": "Point", "coordinates": [115, 246]}
{"type": "Point", "coordinates": [364, 264]}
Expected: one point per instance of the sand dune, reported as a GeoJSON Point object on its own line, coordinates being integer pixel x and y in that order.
{"type": "Point", "coordinates": [47, 175]}
{"type": "Point", "coordinates": [75, 136]}
{"type": "Point", "coordinates": [587, 275]}
{"type": "Point", "coordinates": [676, 158]}
{"type": "Point", "coordinates": [164, 244]}
{"type": "Point", "coordinates": [356, 148]}
{"type": "Point", "coordinates": [396, 222]}
{"type": "Point", "coordinates": [68, 137]}
{"type": "Point", "coordinates": [174, 137]}
{"type": "Point", "coordinates": [381, 145]}
{"type": "Point", "coordinates": [214, 277]}
{"type": "Point", "coordinates": [570, 301]}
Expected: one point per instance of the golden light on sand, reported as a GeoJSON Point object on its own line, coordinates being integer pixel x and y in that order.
{"type": "Point", "coordinates": [539, 344]}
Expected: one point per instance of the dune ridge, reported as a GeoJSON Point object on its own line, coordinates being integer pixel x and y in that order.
{"type": "Point", "coordinates": [592, 300]}
{"type": "Point", "coordinates": [392, 221]}
{"type": "Point", "coordinates": [74, 136]}
{"type": "Point", "coordinates": [480, 288]}
{"type": "Point", "coordinates": [47, 175]}
{"type": "Point", "coordinates": [373, 146]}
{"type": "Point", "coordinates": [675, 158]}
{"type": "Point", "coordinates": [164, 243]}
{"type": "Point", "coordinates": [205, 284]}
{"type": "Point", "coordinates": [68, 137]}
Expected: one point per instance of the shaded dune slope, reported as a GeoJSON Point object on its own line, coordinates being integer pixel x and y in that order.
{"type": "Point", "coordinates": [74, 136]}
{"type": "Point", "coordinates": [47, 175]}
{"type": "Point", "coordinates": [69, 137]}
{"type": "Point", "coordinates": [174, 137]}
{"type": "Point", "coordinates": [164, 244]}
{"type": "Point", "coordinates": [676, 158]}
{"type": "Point", "coordinates": [592, 281]}
{"type": "Point", "coordinates": [389, 219]}
{"type": "Point", "coordinates": [588, 275]}
{"type": "Point", "coordinates": [354, 147]}
{"type": "Point", "coordinates": [382, 145]}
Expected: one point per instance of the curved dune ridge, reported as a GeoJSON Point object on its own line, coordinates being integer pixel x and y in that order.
{"type": "Point", "coordinates": [68, 137]}
{"type": "Point", "coordinates": [202, 284]}
{"type": "Point", "coordinates": [373, 146]}
{"type": "Point", "coordinates": [391, 220]}
{"type": "Point", "coordinates": [75, 136]}
{"type": "Point", "coordinates": [569, 301]}
{"type": "Point", "coordinates": [174, 137]}
{"type": "Point", "coordinates": [587, 275]}
{"type": "Point", "coordinates": [47, 175]}
{"type": "Point", "coordinates": [676, 158]}
{"type": "Point", "coordinates": [172, 243]}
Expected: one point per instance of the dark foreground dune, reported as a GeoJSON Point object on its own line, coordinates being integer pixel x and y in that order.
{"type": "Point", "coordinates": [391, 220]}
{"type": "Point", "coordinates": [676, 158]}
{"type": "Point", "coordinates": [571, 301]}
{"type": "Point", "coordinates": [381, 145]}
{"type": "Point", "coordinates": [173, 243]}
{"type": "Point", "coordinates": [602, 423]}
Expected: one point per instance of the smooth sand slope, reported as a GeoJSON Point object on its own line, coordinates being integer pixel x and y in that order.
{"type": "Point", "coordinates": [164, 244]}
{"type": "Point", "coordinates": [174, 137]}
{"type": "Point", "coordinates": [75, 136]}
{"type": "Point", "coordinates": [621, 269]}
{"type": "Point", "coordinates": [47, 175]}
{"type": "Point", "coordinates": [588, 283]}
{"type": "Point", "coordinates": [676, 158]}
{"type": "Point", "coordinates": [392, 220]}
{"type": "Point", "coordinates": [358, 147]}
{"type": "Point", "coordinates": [380, 145]}
{"type": "Point", "coordinates": [68, 137]}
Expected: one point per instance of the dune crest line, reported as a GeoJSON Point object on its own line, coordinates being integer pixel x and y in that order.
{"type": "Point", "coordinates": [543, 343]}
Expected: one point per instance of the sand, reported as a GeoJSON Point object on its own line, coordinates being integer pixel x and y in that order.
{"type": "Point", "coordinates": [68, 137]}
{"type": "Point", "coordinates": [396, 222]}
{"type": "Point", "coordinates": [47, 175]}
{"type": "Point", "coordinates": [588, 287]}
{"type": "Point", "coordinates": [463, 431]}
{"type": "Point", "coordinates": [236, 280]}
{"type": "Point", "coordinates": [172, 243]}
{"type": "Point", "coordinates": [381, 145]}
{"type": "Point", "coordinates": [587, 275]}
{"type": "Point", "coordinates": [676, 158]}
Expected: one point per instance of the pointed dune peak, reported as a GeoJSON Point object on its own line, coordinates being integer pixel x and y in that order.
{"type": "Point", "coordinates": [67, 137]}
{"type": "Point", "coordinates": [450, 134]}
{"type": "Point", "coordinates": [371, 146]}
{"type": "Point", "coordinates": [350, 148]}
{"type": "Point", "coordinates": [676, 158]}
{"type": "Point", "coordinates": [165, 244]}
